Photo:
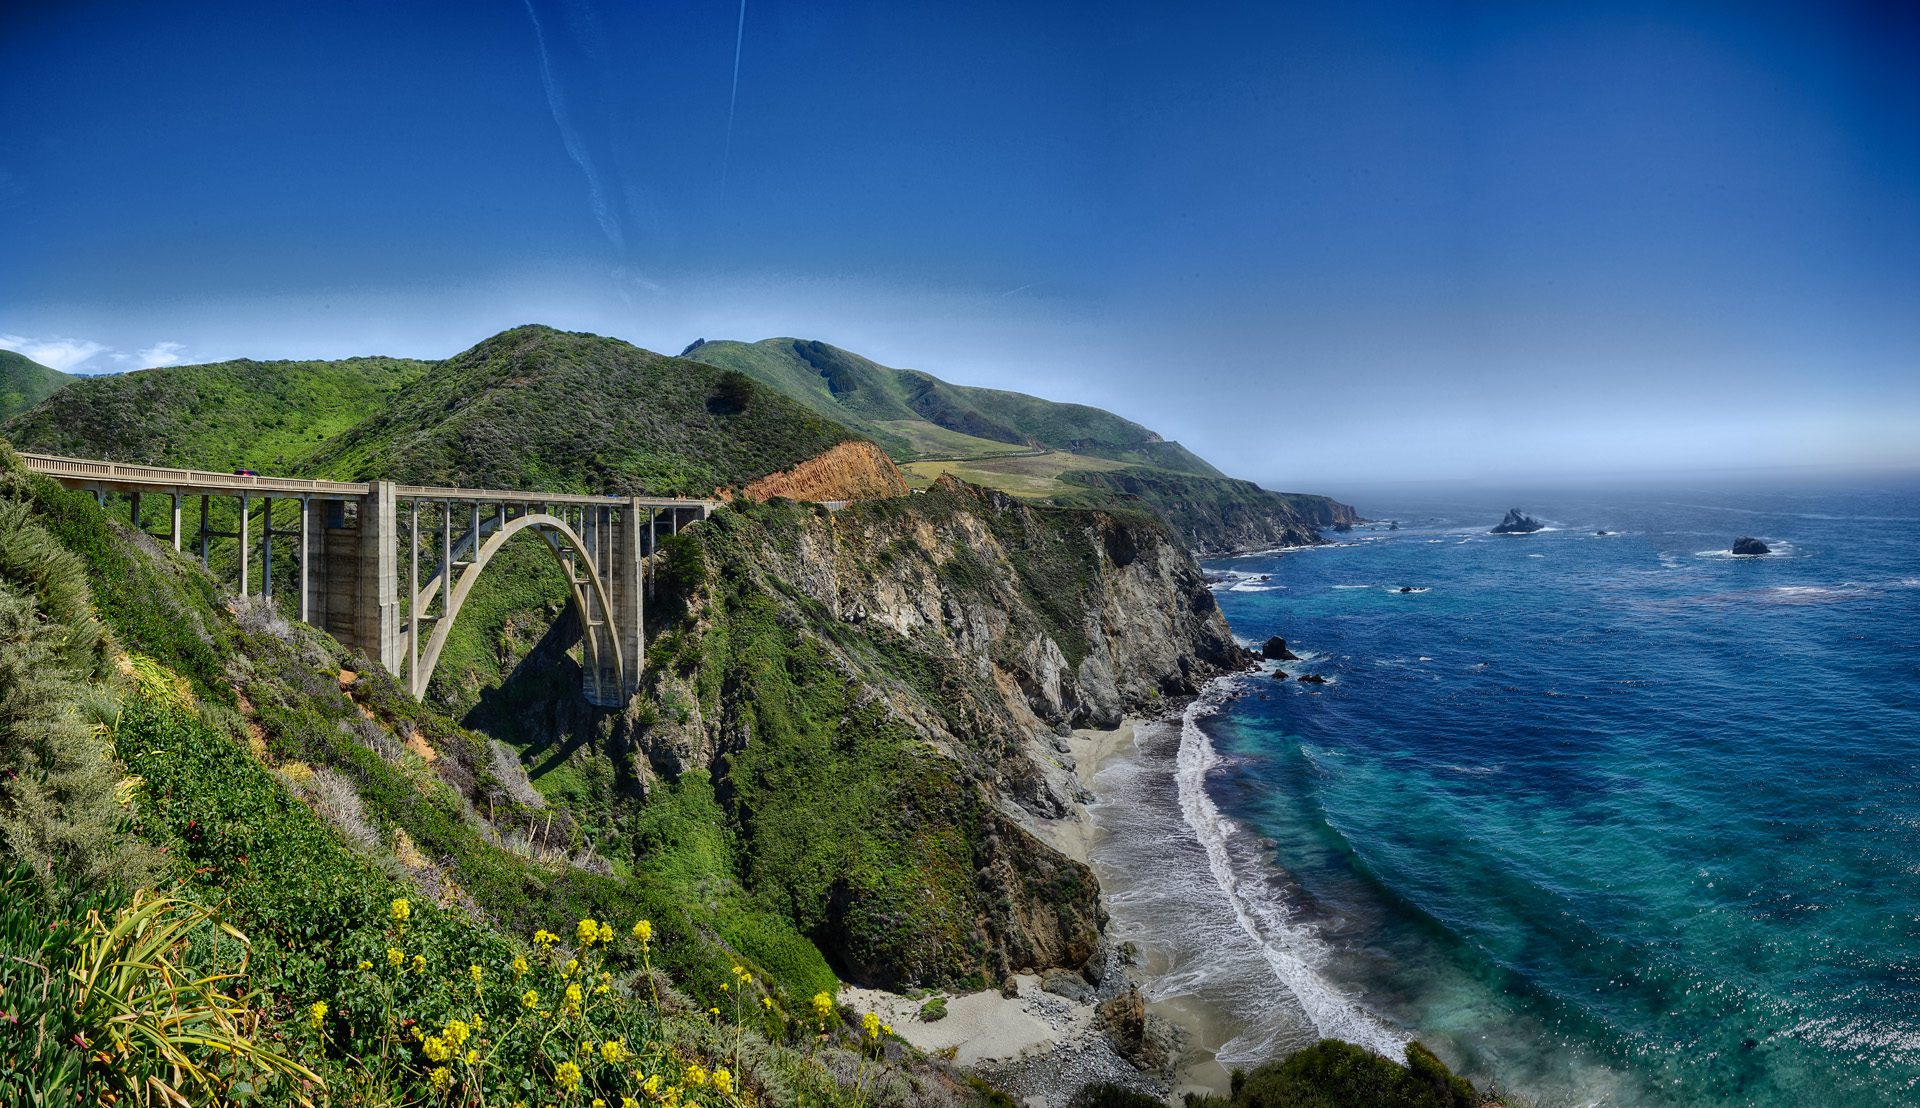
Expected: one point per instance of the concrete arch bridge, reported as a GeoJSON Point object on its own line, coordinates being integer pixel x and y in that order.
{"type": "Point", "coordinates": [358, 555]}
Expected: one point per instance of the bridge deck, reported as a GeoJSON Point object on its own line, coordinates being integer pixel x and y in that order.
{"type": "Point", "coordinates": [125, 477]}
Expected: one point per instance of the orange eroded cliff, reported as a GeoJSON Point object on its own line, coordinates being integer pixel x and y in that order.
{"type": "Point", "coordinates": [849, 471]}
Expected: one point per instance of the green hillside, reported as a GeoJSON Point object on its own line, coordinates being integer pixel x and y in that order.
{"type": "Point", "coordinates": [543, 409]}
{"type": "Point", "coordinates": [25, 382]}
{"type": "Point", "coordinates": [907, 411]}
{"type": "Point", "coordinates": [1068, 454]}
{"type": "Point", "coordinates": [262, 415]}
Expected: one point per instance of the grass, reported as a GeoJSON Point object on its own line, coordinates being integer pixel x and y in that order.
{"type": "Point", "coordinates": [1034, 477]}
{"type": "Point", "coordinates": [535, 408]}
{"type": "Point", "coordinates": [25, 382]}
{"type": "Point", "coordinates": [267, 416]}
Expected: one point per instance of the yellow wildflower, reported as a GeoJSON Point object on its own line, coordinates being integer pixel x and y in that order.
{"type": "Point", "coordinates": [317, 1012]}
{"type": "Point", "coordinates": [419, 963]}
{"type": "Point", "coordinates": [572, 965]}
{"type": "Point", "coordinates": [400, 909]}
{"type": "Point", "coordinates": [473, 1057]}
{"type": "Point", "coordinates": [870, 1023]}
{"type": "Point", "coordinates": [696, 1075]}
{"type": "Point", "coordinates": [435, 1048]}
{"type": "Point", "coordinates": [365, 965]}
{"type": "Point", "coordinates": [544, 937]}
{"type": "Point", "coordinates": [530, 1000]}
{"type": "Point", "coordinates": [713, 1011]}
{"type": "Point", "coordinates": [651, 1086]}
{"type": "Point", "coordinates": [519, 965]}
{"type": "Point", "coordinates": [567, 1076]}
{"type": "Point", "coordinates": [643, 931]}
{"type": "Point", "coordinates": [439, 1078]}
{"type": "Point", "coordinates": [629, 1102]}
{"type": "Point", "coordinates": [722, 1081]}
{"type": "Point", "coordinates": [598, 1103]}
{"type": "Point", "coordinates": [767, 1003]}
{"type": "Point", "coordinates": [457, 1032]}
{"type": "Point", "coordinates": [573, 997]}
{"type": "Point", "coordinates": [394, 958]}
{"type": "Point", "coordinates": [822, 1006]}
{"type": "Point", "coordinates": [606, 933]}
{"type": "Point", "coordinates": [587, 932]}
{"type": "Point", "coordinates": [614, 1051]}
{"type": "Point", "coordinates": [476, 973]}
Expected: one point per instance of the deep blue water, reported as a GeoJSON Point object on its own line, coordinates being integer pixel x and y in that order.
{"type": "Point", "coordinates": [1613, 819]}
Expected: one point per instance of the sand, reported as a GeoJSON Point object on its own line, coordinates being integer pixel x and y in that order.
{"type": "Point", "coordinates": [986, 1029]}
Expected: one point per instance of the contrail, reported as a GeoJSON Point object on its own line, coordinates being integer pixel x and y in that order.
{"type": "Point", "coordinates": [739, 36]}
{"type": "Point", "coordinates": [577, 150]}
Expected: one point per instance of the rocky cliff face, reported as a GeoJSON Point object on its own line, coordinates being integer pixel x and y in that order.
{"type": "Point", "coordinates": [1220, 515]}
{"type": "Point", "coordinates": [850, 471]}
{"type": "Point", "coordinates": [913, 658]}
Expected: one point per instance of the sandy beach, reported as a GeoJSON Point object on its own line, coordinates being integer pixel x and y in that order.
{"type": "Point", "coordinates": [1042, 1045]}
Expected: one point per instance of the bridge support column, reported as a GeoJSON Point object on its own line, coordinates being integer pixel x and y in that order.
{"type": "Point", "coordinates": [629, 597]}
{"type": "Point", "coordinates": [377, 617]}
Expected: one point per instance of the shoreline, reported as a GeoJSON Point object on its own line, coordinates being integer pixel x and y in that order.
{"type": "Point", "coordinates": [1042, 1036]}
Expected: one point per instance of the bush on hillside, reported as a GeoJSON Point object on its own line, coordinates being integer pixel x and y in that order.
{"type": "Point", "coordinates": [1333, 1074]}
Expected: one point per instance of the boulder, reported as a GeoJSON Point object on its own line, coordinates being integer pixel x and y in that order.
{"type": "Point", "coordinates": [1276, 650]}
{"type": "Point", "coordinates": [1517, 523]}
{"type": "Point", "coordinates": [1311, 679]}
{"type": "Point", "coordinates": [1406, 588]}
{"type": "Point", "coordinates": [1124, 1019]}
{"type": "Point", "coordinates": [1749, 547]}
{"type": "Point", "coordinates": [1065, 983]}
{"type": "Point", "coordinates": [1603, 532]}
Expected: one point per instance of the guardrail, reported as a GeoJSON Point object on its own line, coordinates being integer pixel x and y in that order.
{"type": "Point", "coordinates": [163, 477]}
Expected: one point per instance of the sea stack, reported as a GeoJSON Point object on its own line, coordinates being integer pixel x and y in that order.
{"type": "Point", "coordinates": [1275, 649]}
{"type": "Point", "coordinates": [1518, 523]}
{"type": "Point", "coordinates": [1746, 546]}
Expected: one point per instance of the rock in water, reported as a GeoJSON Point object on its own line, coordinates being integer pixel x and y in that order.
{"type": "Point", "coordinates": [1276, 650]}
{"type": "Point", "coordinates": [1311, 679]}
{"type": "Point", "coordinates": [1748, 546]}
{"type": "Point", "coordinates": [1518, 523]}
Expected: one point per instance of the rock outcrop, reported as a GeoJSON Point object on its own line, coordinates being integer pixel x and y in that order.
{"type": "Point", "coordinates": [1747, 546]}
{"type": "Point", "coordinates": [1275, 650]}
{"type": "Point", "coordinates": [1517, 523]}
{"type": "Point", "coordinates": [848, 471]}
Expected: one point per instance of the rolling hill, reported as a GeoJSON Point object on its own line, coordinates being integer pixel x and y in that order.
{"type": "Point", "coordinates": [1069, 454]}
{"type": "Point", "coordinates": [25, 382]}
{"type": "Point", "coordinates": [261, 415]}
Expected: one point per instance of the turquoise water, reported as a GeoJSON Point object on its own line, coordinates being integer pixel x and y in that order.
{"type": "Point", "coordinates": [1606, 819]}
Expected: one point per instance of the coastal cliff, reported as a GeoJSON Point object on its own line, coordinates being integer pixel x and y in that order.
{"type": "Point", "coordinates": [875, 696]}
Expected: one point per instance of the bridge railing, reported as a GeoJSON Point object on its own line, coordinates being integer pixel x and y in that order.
{"type": "Point", "coordinates": [162, 477]}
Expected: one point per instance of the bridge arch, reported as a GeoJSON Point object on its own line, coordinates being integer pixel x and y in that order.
{"type": "Point", "coordinates": [588, 591]}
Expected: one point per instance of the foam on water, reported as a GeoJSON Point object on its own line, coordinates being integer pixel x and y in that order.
{"type": "Point", "coordinates": [1291, 951]}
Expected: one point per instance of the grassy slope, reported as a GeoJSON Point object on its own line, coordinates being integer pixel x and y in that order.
{"type": "Point", "coordinates": [25, 382]}
{"type": "Point", "coordinates": [537, 408]}
{"type": "Point", "coordinates": [906, 410]}
{"type": "Point", "coordinates": [262, 415]}
{"type": "Point", "coordinates": [1067, 453]}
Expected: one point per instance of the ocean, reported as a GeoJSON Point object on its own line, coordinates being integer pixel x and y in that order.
{"type": "Point", "coordinates": [1603, 819]}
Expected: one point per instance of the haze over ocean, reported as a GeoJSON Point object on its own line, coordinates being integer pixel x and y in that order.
{"type": "Point", "coordinates": [1611, 819]}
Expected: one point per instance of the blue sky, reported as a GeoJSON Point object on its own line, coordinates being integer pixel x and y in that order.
{"type": "Point", "coordinates": [1317, 242]}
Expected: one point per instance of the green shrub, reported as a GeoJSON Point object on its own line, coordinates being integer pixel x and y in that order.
{"type": "Point", "coordinates": [1333, 1074]}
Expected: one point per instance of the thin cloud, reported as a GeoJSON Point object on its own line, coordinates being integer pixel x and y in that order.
{"type": "Point", "coordinates": [65, 355]}
{"type": "Point", "coordinates": [161, 354]}
{"type": "Point", "coordinates": [571, 138]}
